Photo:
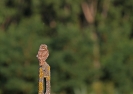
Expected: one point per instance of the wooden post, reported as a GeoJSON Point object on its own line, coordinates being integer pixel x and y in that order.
{"type": "Point", "coordinates": [44, 70]}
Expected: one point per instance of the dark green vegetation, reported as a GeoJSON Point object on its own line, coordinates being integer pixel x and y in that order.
{"type": "Point", "coordinates": [90, 44]}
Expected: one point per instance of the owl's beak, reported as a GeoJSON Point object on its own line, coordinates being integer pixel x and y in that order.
{"type": "Point", "coordinates": [36, 55]}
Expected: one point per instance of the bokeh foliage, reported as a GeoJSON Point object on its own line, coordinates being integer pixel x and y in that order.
{"type": "Point", "coordinates": [85, 57]}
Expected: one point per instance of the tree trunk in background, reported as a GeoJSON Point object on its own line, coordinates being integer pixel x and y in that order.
{"type": "Point", "coordinates": [89, 10]}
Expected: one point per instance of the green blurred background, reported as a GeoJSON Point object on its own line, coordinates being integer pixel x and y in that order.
{"type": "Point", "coordinates": [90, 44]}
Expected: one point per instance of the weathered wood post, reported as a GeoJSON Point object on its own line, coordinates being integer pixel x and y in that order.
{"type": "Point", "coordinates": [44, 70]}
